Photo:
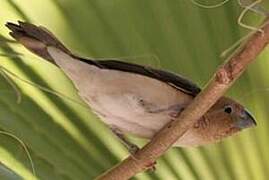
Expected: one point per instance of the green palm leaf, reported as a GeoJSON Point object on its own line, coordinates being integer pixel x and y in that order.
{"type": "Point", "coordinates": [67, 141]}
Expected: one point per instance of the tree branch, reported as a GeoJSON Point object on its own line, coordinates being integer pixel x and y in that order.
{"type": "Point", "coordinates": [217, 86]}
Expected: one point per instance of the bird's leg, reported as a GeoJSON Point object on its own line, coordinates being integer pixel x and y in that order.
{"type": "Point", "coordinates": [132, 148]}
{"type": "Point", "coordinates": [151, 166]}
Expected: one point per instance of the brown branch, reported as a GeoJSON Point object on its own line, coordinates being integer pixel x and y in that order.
{"type": "Point", "coordinates": [217, 86]}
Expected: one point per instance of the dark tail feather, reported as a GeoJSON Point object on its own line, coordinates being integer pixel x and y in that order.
{"type": "Point", "coordinates": [35, 38]}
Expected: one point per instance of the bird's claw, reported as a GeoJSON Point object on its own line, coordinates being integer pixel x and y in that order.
{"type": "Point", "coordinates": [151, 166]}
{"type": "Point", "coordinates": [132, 148]}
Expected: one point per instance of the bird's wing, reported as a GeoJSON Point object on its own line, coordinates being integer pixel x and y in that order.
{"type": "Point", "coordinates": [172, 79]}
{"type": "Point", "coordinates": [37, 39]}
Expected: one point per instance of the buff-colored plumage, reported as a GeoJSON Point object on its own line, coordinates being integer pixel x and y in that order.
{"type": "Point", "coordinates": [132, 98]}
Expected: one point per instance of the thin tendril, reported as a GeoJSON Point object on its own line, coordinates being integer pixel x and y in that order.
{"type": "Point", "coordinates": [233, 46]}
{"type": "Point", "coordinates": [58, 94]}
{"type": "Point", "coordinates": [24, 148]}
{"type": "Point", "coordinates": [209, 6]}
{"type": "Point", "coordinates": [243, 13]}
{"type": "Point", "coordinates": [250, 7]}
{"type": "Point", "coordinates": [257, 9]}
{"type": "Point", "coordinates": [15, 54]}
{"type": "Point", "coordinates": [12, 84]}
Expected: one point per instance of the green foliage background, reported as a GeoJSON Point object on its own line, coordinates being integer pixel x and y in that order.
{"type": "Point", "coordinates": [67, 141]}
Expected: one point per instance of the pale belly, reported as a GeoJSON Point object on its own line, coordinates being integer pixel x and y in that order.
{"type": "Point", "coordinates": [132, 103]}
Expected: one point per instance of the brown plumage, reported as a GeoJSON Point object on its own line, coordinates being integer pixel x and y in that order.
{"type": "Point", "coordinates": [131, 98]}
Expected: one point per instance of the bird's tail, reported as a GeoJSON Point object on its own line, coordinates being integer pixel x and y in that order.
{"type": "Point", "coordinates": [36, 38]}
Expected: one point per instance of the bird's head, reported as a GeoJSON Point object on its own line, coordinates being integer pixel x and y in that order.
{"type": "Point", "coordinates": [224, 119]}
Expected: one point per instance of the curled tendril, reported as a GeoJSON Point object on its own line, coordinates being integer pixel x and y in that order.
{"type": "Point", "coordinates": [209, 6]}
{"type": "Point", "coordinates": [234, 45]}
{"type": "Point", "coordinates": [243, 13]}
{"type": "Point", "coordinates": [24, 148]}
{"type": "Point", "coordinates": [5, 71]}
{"type": "Point", "coordinates": [12, 84]}
{"type": "Point", "coordinates": [250, 7]}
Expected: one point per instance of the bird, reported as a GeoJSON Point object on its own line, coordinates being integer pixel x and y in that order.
{"type": "Point", "coordinates": [134, 99]}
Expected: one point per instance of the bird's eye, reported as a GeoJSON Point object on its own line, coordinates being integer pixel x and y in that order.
{"type": "Point", "coordinates": [228, 109]}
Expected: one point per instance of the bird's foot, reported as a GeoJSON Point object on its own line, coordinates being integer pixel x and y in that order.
{"type": "Point", "coordinates": [151, 166]}
{"type": "Point", "coordinates": [132, 148]}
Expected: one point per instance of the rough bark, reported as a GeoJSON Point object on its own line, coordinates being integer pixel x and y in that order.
{"type": "Point", "coordinates": [224, 77]}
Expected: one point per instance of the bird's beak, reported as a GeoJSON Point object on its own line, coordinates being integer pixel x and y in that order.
{"type": "Point", "coordinates": [246, 120]}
